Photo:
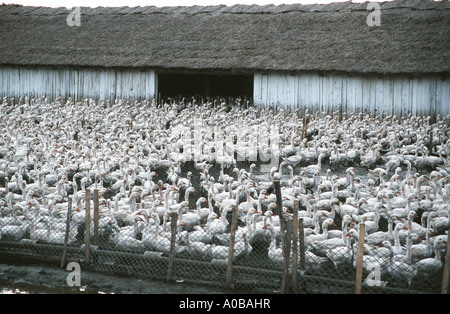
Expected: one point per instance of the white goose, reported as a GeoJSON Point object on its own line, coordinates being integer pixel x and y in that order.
{"type": "Point", "coordinates": [440, 223]}
{"type": "Point", "coordinates": [345, 209]}
{"type": "Point", "coordinates": [421, 251]}
{"type": "Point", "coordinates": [431, 265]}
{"type": "Point", "coordinates": [320, 243]}
{"type": "Point", "coordinates": [230, 202]}
{"type": "Point", "coordinates": [342, 254]}
{"type": "Point", "coordinates": [275, 253]}
{"type": "Point", "coordinates": [311, 169]}
{"type": "Point", "coordinates": [196, 247]}
{"type": "Point", "coordinates": [401, 269]}
{"type": "Point", "coordinates": [188, 192]}
{"type": "Point", "coordinates": [371, 221]}
{"type": "Point", "coordinates": [127, 242]}
{"type": "Point", "coordinates": [214, 225]}
{"type": "Point", "coordinates": [15, 232]}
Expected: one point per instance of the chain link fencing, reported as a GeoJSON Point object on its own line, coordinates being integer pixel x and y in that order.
{"type": "Point", "coordinates": [194, 248]}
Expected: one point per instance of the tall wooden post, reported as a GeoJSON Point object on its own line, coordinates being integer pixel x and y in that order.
{"type": "Point", "coordinates": [87, 231]}
{"type": "Point", "coordinates": [231, 246]}
{"type": "Point", "coordinates": [96, 216]}
{"type": "Point", "coordinates": [295, 247]}
{"type": "Point", "coordinates": [362, 230]}
{"type": "Point", "coordinates": [301, 236]}
{"type": "Point", "coordinates": [66, 236]}
{"type": "Point", "coordinates": [173, 228]}
{"type": "Point", "coordinates": [446, 273]}
{"type": "Point", "coordinates": [285, 280]}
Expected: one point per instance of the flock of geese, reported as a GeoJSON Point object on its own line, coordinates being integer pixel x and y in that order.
{"type": "Point", "coordinates": [392, 173]}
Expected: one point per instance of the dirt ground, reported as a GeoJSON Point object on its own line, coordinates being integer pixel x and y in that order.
{"type": "Point", "coordinates": [49, 279]}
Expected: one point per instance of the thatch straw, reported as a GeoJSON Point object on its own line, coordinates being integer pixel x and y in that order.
{"type": "Point", "coordinates": [414, 37]}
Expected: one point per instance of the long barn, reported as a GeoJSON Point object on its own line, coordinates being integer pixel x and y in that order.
{"type": "Point", "coordinates": [327, 57]}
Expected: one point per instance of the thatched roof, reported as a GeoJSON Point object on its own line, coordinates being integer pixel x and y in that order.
{"type": "Point", "coordinates": [414, 37]}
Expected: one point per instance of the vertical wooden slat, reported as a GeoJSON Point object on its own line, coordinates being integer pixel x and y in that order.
{"type": "Point", "coordinates": [231, 247]}
{"type": "Point", "coordinates": [285, 280]}
{"type": "Point", "coordinates": [362, 230]}
{"type": "Point", "coordinates": [66, 236]}
{"type": "Point", "coordinates": [295, 247]}
{"type": "Point", "coordinates": [446, 273]}
{"type": "Point", "coordinates": [87, 230]}
{"type": "Point", "coordinates": [173, 227]}
{"type": "Point", "coordinates": [301, 236]}
{"type": "Point", "coordinates": [96, 216]}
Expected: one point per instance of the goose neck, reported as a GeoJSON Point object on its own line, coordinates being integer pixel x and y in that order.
{"type": "Point", "coordinates": [396, 239]}
{"type": "Point", "coordinates": [408, 248]}
{"type": "Point", "coordinates": [437, 254]}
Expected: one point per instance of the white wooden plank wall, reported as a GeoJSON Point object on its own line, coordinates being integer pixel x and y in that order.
{"type": "Point", "coordinates": [389, 94]}
{"type": "Point", "coordinates": [77, 83]}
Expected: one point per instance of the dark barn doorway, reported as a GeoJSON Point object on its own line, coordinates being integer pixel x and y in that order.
{"type": "Point", "coordinates": [208, 85]}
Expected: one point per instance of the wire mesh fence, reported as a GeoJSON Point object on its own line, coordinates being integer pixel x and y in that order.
{"type": "Point", "coordinates": [237, 249]}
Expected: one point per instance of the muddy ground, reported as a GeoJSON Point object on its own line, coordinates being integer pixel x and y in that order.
{"type": "Point", "coordinates": [50, 279]}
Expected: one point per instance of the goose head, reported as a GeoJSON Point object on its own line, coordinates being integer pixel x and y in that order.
{"type": "Point", "coordinates": [346, 219]}
{"type": "Point", "coordinates": [400, 226]}
{"type": "Point", "coordinates": [414, 237]}
{"type": "Point", "coordinates": [211, 217]}
{"type": "Point", "coordinates": [328, 223]}
{"type": "Point", "coordinates": [440, 242]}
{"type": "Point", "coordinates": [352, 233]}
{"type": "Point", "coordinates": [411, 216]}
{"type": "Point", "coordinates": [201, 200]}
{"type": "Point", "coordinates": [362, 201]}
{"type": "Point", "coordinates": [273, 170]}
{"type": "Point", "coordinates": [272, 207]}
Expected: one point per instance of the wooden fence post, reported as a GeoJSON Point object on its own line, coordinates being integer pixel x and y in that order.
{"type": "Point", "coordinates": [173, 228]}
{"type": "Point", "coordinates": [231, 246]}
{"type": "Point", "coordinates": [295, 247]}
{"type": "Point", "coordinates": [446, 273]}
{"type": "Point", "coordinates": [87, 231]}
{"type": "Point", "coordinates": [66, 236]}
{"type": "Point", "coordinates": [285, 280]}
{"type": "Point", "coordinates": [362, 230]}
{"type": "Point", "coordinates": [301, 236]}
{"type": "Point", "coordinates": [96, 216]}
